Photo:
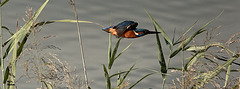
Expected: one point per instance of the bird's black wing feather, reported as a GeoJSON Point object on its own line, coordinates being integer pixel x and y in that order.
{"type": "Point", "coordinates": [125, 26]}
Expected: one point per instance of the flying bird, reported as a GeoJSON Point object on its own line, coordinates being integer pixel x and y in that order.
{"type": "Point", "coordinates": [127, 29]}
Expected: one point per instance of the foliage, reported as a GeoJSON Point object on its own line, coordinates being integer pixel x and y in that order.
{"type": "Point", "coordinates": [198, 70]}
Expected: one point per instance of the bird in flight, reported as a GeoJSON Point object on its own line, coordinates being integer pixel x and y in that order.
{"type": "Point", "coordinates": [127, 29]}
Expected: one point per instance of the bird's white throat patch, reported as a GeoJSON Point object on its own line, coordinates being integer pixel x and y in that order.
{"type": "Point", "coordinates": [135, 32]}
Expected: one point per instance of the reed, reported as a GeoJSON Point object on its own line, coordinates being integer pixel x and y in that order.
{"type": "Point", "coordinates": [16, 43]}
{"type": "Point", "coordinates": [198, 70]}
{"type": "Point", "coordinates": [199, 52]}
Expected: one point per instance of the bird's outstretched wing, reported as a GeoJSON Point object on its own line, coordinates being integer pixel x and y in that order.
{"type": "Point", "coordinates": [125, 26]}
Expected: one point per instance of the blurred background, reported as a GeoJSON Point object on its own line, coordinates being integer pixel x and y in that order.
{"type": "Point", "coordinates": [170, 14]}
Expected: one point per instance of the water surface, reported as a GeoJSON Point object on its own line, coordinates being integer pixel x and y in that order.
{"type": "Point", "coordinates": [170, 14]}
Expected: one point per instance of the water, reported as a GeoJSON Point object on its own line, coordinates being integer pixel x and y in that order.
{"type": "Point", "coordinates": [170, 15]}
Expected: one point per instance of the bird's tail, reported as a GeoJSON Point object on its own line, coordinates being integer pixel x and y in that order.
{"type": "Point", "coordinates": [152, 32]}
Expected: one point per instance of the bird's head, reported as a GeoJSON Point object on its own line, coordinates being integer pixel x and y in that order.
{"type": "Point", "coordinates": [107, 29]}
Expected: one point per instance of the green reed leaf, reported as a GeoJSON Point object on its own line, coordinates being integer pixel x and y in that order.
{"type": "Point", "coordinates": [107, 78]}
{"type": "Point", "coordinates": [123, 51]}
{"type": "Point", "coordinates": [124, 77]}
{"type": "Point", "coordinates": [227, 74]}
{"type": "Point", "coordinates": [180, 38]}
{"type": "Point", "coordinates": [161, 58]}
{"type": "Point", "coordinates": [48, 85]}
{"type": "Point", "coordinates": [111, 61]}
{"type": "Point", "coordinates": [162, 63]}
{"type": "Point", "coordinates": [189, 39]}
{"type": "Point", "coordinates": [6, 75]}
{"type": "Point", "coordinates": [119, 73]}
{"type": "Point", "coordinates": [25, 29]}
{"type": "Point", "coordinates": [207, 76]}
{"type": "Point", "coordinates": [141, 80]}
{"type": "Point", "coordinates": [165, 36]}
{"type": "Point", "coordinates": [65, 21]}
{"type": "Point", "coordinates": [193, 59]}
{"type": "Point", "coordinates": [109, 48]}
{"type": "Point", "coordinates": [186, 42]}
{"type": "Point", "coordinates": [4, 2]}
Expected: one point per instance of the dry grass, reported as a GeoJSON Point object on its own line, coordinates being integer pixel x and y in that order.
{"type": "Point", "coordinates": [211, 60]}
{"type": "Point", "coordinates": [43, 65]}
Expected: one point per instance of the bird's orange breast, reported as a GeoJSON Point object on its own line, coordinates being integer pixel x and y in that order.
{"type": "Point", "coordinates": [129, 34]}
{"type": "Point", "coordinates": [113, 31]}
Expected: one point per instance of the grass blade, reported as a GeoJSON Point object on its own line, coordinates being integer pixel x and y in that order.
{"type": "Point", "coordinates": [6, 75]}
{"type": "Point", "coordinates": [65, 21]}
{"type": "Point", "coordinates": [167, 39]}
{"type": "Point", "coordinates": [110, 49]}
{"type": "Point", "coordinates": [218, 69]}
{"type": "Point", "coordinates": [124, 77]}
{"type": "Point", "coordinates": [141, 80]}
{"type": "Point", "coordinates": [212, 74]}
{"type": "Point", "coordinates": [199, 52]}
{"type": "Point", "coordinates": [186, 42]}
{"type": "Point", "coordinates": [116, 48]}
{"type": "Point", "coordinates": [112, 55]}
{"type": "Point", "coordinates": [26, 28]}
{"type": "Point", "coordinates": [119, 73]}
{"type": "Point", "coordinates": [160, 52]}
{"type": "Point", "coordinates": [14, 39]}
{"type": "Point", "coordinates": [22, 44]}
{"type": "Point", "coordinates": [7, 30]}
{"type": "Point", "coordinates": [111, 61]}
{"type": "Point", "coordinates": [12, 67]}
{"type": "Point", "coordinates": [107, 78]}
{"type": "Point", "coordinates": [189, 39]}
{"type": "Point", "coordinates": [179, 39]}
{"type": "Point", "coordinates": [123, 51]}
{"type": "Point", "coordinates": [119, 79]}
{"type": "Point", "coordinates": [189, 29]}
{"type": "Point", "coordinates": [227, 75]}
{"type": "Point", "coordinates": [174, 33]}
{"type": "Point", "coordinates": [193, 59]}
{"type": "Point", "coordinates": [4, 2]}
{"type": "Point", "coordinates": [7, 50]}
{"type": "Point", "coordinates": [19, 49]}
{"type": "Point", "coordinates": [162, 62]}
{"type": "Point", "coordinates": [49, 86]}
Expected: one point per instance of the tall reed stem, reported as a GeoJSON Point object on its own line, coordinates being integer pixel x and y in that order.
{"type": "Point", "coordinates": [1, 38]}
{"type": "Point", "coordinates": [80, 44]}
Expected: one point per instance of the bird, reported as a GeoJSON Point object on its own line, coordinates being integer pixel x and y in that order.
{"type": "Point", "coordinates": [127, 29]}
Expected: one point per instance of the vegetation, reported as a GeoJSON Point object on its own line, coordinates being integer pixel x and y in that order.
{"type": "Point", "coordinates": [204, 68]}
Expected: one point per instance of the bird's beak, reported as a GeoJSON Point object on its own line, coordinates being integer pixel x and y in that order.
{"type": "Point", "coordinates": [107, 28]}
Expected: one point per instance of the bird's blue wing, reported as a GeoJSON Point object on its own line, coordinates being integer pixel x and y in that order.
{"type": "Point", "coordinates": [140, 30]}
{"type": "Point", "coordinates": [125, 26]}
